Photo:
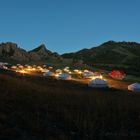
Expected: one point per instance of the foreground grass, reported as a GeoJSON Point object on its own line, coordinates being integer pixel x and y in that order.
{"type": "Point", "coordinates": [37, 108]}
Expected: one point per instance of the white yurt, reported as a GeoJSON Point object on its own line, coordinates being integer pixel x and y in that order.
{"type": "Point", "coordinates": [76, 71]}
{"type": "Point", "coordinates": [3, 67]}
{"type": "Point", "coordinates": [20, 66]}
{"type": "Point", "coordinates": [1, 63]}
{"type": "Point", "coordinates": [88, 74]}
{"type": "Point", "coordinates": [86, 70]}
{"type": "Point", "coordinates": [44, 70]}
{"type": "Point", "coordinates": [44, 66]}
{"type": "Point", "coordinates": [34, 66]}
{"type": "Point", "coordinates": [98, 83]}
{"type": "Point", "coordinates": [49, 73]}
{"type": "Point", "coordinates": [39, 67]}
{"type": "Point", "coordinates": [58, 71]}
{"type": "Point", "coordinates": [134, 87]}
{"type": "Point", "coordinates": [64, 76]}
{"type": "Point", "coordinates": [13, 67]}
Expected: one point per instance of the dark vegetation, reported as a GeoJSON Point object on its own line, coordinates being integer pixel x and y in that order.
{"type": "Point", "coordinates": [39, 108]}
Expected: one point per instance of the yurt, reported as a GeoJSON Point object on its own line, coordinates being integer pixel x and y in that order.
{"type": "Point", "coordinates": [64, 76]}
{"type": "Point", "coordinates": [44, 66]}
{"type": "Point", "coordinates": [134, 87]}
{"type": "Point", "coordinates": [39, 67]}
{"type": "Point", "coordinates": [50, 68]}
{"type": "Point", "coordinates": [1, 63]}
{"type": "Point", "coordinates": [44, 70]}
{"type": "Point", "coordinates": [3, 67]}
{"type": "Point", "coordinates": [98, 83]}
{"type": "Point", "coordinates": [86, 70]}
{"type": "Point", "coordinates": [66, 67]}
{"type": "Point", "coordinates": [20, 67]}
{"type": "Point", "coordinates": [13, 67]}
{"type": "Point", "coordinates": [88, 74]}
{"type": "Point", "coordinates": [58, 71]}
{"type": "Point", "coordinates": [49, 73]}
{"type": "Point", "coordinates": [76, 71]}
{"type": "Point", "coordinates": [117, 74]}
{"type": "Point", "coordinates": [34, 66]}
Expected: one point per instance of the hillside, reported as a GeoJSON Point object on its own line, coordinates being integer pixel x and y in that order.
{"type": "Point", "coordinates": [11, 52]}
{"type": "Point", "coordinates": [110, 53]}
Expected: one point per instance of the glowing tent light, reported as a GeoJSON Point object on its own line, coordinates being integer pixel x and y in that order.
{"type": "Point", "coordinates": [21, 71]}
{"type": "Point", "coordinates": [57, 75]}
{"type": "Point", "coordinates": [116, 74]}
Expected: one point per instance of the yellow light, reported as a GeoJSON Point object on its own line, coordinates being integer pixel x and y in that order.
{"type": "Point", "coordinates": [22, 71]}
{"type": "Point", "coordinates": [56, 75]}
{"type": "Point", "coordinates": [28, 69]}
{"type": "Point", "coordinates": [70, 72]}
{"type": "Point", "coordinates": [101, 77]}
{"type": "Point", "coordinates": [98, 76]}
{"type": "Point", "coordinates": [79, 72]}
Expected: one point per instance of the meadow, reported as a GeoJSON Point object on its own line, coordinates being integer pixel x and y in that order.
{"type": "Point", "coordinates": [40, 108]}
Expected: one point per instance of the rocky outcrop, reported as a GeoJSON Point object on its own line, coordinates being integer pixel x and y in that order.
{"type": "Point", "coordinates": [11, 51]}
{"type": "Point", "coordinates": [42, 53]}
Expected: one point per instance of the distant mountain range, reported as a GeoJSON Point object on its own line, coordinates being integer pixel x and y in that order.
{"type": "Point", "coordinates": [108, 53]}
{"type": "Point", "coordinates": [10, 52]}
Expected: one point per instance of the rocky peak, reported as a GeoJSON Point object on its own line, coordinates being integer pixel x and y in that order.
{"type": "Point", "coordinates": [11, 51]}
{"type": "Point", "coordinates": [42, 47]}
{"type": "Point", "coordinates": [8, 47]}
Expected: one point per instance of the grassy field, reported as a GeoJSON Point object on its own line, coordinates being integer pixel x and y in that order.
{"type": "Point", "coordinates": [39, 108]}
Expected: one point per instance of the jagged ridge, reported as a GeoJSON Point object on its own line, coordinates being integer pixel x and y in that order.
{"type": "Point", "coordinates": [11, 52]}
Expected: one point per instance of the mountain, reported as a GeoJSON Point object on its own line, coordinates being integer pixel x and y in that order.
{"type": "Point", "coordinates": [110, 55]}
{"type": "Point", "coordinates": [110, 52]}
{"type": "Point", "coordinates": [41, 53]}
{"type": "Point", "coordinates": [10, 52]}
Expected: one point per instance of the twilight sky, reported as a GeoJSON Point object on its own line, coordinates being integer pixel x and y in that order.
{"type": "Point", "coordinates": [68, 25]}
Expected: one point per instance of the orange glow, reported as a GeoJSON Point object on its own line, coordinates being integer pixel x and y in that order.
{"type": "Point", "coordinates": [56, 75]}
{"type": "Point", "coordinates": [98, 76]}
{"type": "Point", "coordinates": [28, 69]}
{"type": "Point", "coordinates": [22, 71]}
{"type": "Point", "coordinates": [80, 72]}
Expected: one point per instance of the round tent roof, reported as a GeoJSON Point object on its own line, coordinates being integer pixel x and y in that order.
{"type": "Point", "coordinates": [88, 74]}
{"type": "Point", "coordinates": [134, 87]}
{"type": "Point", "coordinates": [49, 73]}
{"type": "Point", "coordinates": [117, 74]}
{"type": "Point", "coordinates": [45, 70]}
{"type": "Point", "coordinates": [99, 83]}
{"type": "Point", "coordinates": [64, 76]}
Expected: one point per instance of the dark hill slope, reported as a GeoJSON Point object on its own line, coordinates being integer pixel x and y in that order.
{"type": "Point", "coordinates": [109, 53]}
